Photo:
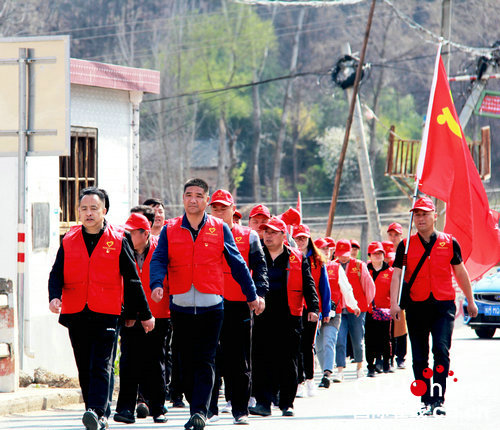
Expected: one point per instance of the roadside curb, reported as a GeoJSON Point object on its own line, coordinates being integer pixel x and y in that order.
{"type": "Point", "coordinates": [37, 399]}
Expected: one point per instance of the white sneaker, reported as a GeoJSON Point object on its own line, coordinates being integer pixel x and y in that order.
{"type": "Point", "coordinates": [425, 410]}
{"type": "Point", "coordinates": [300, 390]}
{"type": "Point", "coordinates": [310, 388]}
{"type": "Point", "coordinates": [243, 419]}
{"type": "Point", "coordinates": [213, 419]}
{"type": "Point", "coordinates": [339, 377]}
{"type": "Point", "coordinates": [227, 408]}
{"type": "Point", "coordinates": [252, 402]}
{"type": "Point", "coordinates": [360, 373]}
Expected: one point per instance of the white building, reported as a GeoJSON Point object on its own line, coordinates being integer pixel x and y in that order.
{"type": "Point", "coordinates": [104, 152]}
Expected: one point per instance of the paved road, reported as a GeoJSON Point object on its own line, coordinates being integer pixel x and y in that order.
{"type": "Point", "coordinates": [384, 402]}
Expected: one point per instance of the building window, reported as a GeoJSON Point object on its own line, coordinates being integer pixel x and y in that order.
{"type": "Point", "coordinates": [76, 172]}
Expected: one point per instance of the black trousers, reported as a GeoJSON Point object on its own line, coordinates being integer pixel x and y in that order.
{"type": "Point", "coordinates": [276, 344]}
{"type": "Point", "coordinates": [377, 341]}
{"type": "Point", "coordinates": [93, 343]}
{"type": "Point", "coordinates": [194, 341]}
{"type": "Point", "coordinates": [233, 358]}
{"type": "Point", "coordinates": [142, 362]}
{"type": "Point", "coordinates": [307, 344]}
{"type": "Point", "coordinates": [435, 318]}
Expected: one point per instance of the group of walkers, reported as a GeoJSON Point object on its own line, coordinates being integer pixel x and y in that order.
{"type": "Point", "coordinates": [200, 298]}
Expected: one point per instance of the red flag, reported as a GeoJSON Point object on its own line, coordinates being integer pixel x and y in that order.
{"type": "Point", "coordinates": [447, 171]}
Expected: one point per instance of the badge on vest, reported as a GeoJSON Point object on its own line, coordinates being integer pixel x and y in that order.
{"type": "Point", "coordinates": [238, 239]}
{"type": "Point", "coordinates": [212, 231]}
{"type": "Point", "coordinates": [108, 246]}
{"type": "Point", "coordinates": [442, 245]}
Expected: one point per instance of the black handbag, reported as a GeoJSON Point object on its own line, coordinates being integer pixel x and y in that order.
{"type": "Point", "coordinates": [405, 293]}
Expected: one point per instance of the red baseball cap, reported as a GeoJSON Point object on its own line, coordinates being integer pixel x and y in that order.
{"type": "Point", "coordinates": [330, 241]}
{"type": "Point", "coordinates": [355, 244]}
{"type": "Point", "coordinates": [291, 217]}
{"type": "Point", "coordinates": [396, 227]}
{"type": "Point", "coordinates": [375, 247]}
{"type": "Point", "coordinates": [237, 214]}
{"type": "Point", "coordinates": [388, 246]}
{"type": "Point", "coordinates": [137, 221]}
{"type": "Point", "coordinates": [260, 210]}
{"type": "Point", "coordinates": [321, 243]}
{"type": "Point", "coordinates": [301, 230]}
{"type": "Point", "coordinates": [425, 204]}
{"type": "Point", "coordinates": [222, 196]}
{"type": "Point", "coordinates": [274, 224]}
{"type": "Point", "coordinates": [343, 248]}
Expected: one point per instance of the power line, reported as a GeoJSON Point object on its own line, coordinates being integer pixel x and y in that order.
{"type": "Point", "coordinates": [240, 86]}
{"type": "Point", "coordinates": [437, 38]}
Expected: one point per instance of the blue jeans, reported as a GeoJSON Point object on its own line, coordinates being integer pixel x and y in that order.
{"type": "Point", "coordinates": [325, 346]}
{"type": "Point", "coordinates": [355, 326]}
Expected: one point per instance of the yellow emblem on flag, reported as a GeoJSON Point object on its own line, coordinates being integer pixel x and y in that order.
{"type": "Point", "coordinates": [447, 117]}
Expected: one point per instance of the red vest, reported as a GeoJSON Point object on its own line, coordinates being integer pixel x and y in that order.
{"type": "Point", "coordinates": [316, 274]}
{"type": "Point", "coordinates": [435, 274]}
{"type": "Point", "coordinates": [162, 309]}
{"type": "Point", "coordinates": [294, 287]}
{"type": "Point", "coordinates": [232, 290]}
{"type": "Point", "coordinates": [333, 278]}
{"type": "Point", "coordinates": [383, 288]}
{"type": "Point", "coordinates": [353, 273]}
{"type": "Point", "coordinates": [199, 262]}
{"type": "Point", "coordinates": [95, 281]}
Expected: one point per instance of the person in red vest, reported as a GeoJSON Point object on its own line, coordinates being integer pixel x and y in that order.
{"type": "Point", "coordinates": [352, 324]}
{"type": "Point", "coordinates": [259, 215]}
{"type": "Point", "coordinates": [431, 309]}
{"type": "Point", "coordinates": [341, 296]}
{"type": "Point", "coordinates": [395, 233]}
{"type": "Point", "coordinates": [317, 262]}
{"type": "Point", "coordinates": [142, 359]}
{"type": "Point", "coordinates": [192, 249]}
{"type": "Point", "coordinates": [355, 248]}
{"type": "Point", "coordinates": [378, 318]}
{"type": "Point", "coordinates": [159, 208]}
{"type": "Point", "coordinates": [331, 247]}
{"type": "Point", "coordinates": [94, 274]}
{"type": "Point", "coordinates": [234, 350]}
{"type": "Point", "coordinates": [389, 252]}
{"type": "Point", "coordinates": [276, 339]}
{"type": "Point", "coordinates": [237, 216]}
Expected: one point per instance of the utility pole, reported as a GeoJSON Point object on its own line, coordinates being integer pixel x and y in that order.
{"type": "Point", "coordinates": [372, 213]}
{"type": "Point", "coordinates": [365, 169]}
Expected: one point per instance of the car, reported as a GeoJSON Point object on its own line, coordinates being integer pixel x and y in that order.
{"type": "Point", "coordinates": [487, 297]}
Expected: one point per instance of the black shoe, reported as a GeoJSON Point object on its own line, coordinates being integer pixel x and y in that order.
{"type": "Point", "coordinates": [371, 373]}
{"type": "Point", "coordinates": [160, 419]}
{"type": "Point", "coordinates": [142, 410]}
{"type": "Point", "coordinates": [178, 404]}
{"type": "Point", "coordinates": [125, 416]}
{"type": "Point", "coordinates": [260, 409]}
{"type": "Point", "coordinates": [389, 369]}
{"type": "Point", "coordinates": [438, 408]}
{"type": "Point", "coordinates": [90, 420]}
{"type": "Point", "coordinates": [103, 423]}
{"type": "Point", "coordinates": [325, 382]}
{"type": "Point", "coordinates": [378, 368]}
{"type": "Point", "coordinates": [288, 412]}
{"type": "Point", "coordinates": [401, 364]}
{"type": "Point", "coordinates": [196, 422]}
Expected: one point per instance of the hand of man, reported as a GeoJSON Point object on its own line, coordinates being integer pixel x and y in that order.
{"type": "Point", "coordinates": [472, 308]}
{"type": "Point", "coordinates": [312, 317]}
{"type": "Point", "coordinates": [55, 306]}
{"type": "Point", "coordinates": [254, 306]}
{"type": "Point", "coordinates": [357, 311]}
{"type": "Point", "coordinates": [149, 324]}
{"type": "Point", "coordinates": [262, 305]}
{"type": "Point", "coordinates": [157, 294]}
{"type": "Point", "coordinates": [396, 311]}
{"type": "Point", "coordinates": [326, 320]}
{"type": "Point", "coordinates": [129, 323]}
